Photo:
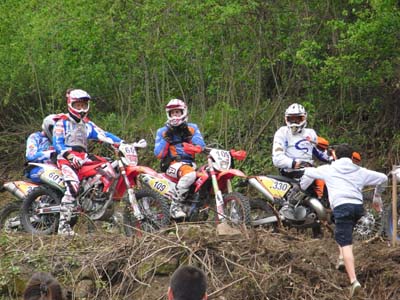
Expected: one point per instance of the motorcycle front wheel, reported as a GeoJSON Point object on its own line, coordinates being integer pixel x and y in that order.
{"type": "Point", "coordinates": [10, 219]}
{"type": "Point", "coordinates": [154, 208]}
{"type": "Point", "coordinates": [237, 209]}
{"type": "Point", "coordinates": [35, 223]}
{"type": "Point", "coordinates": [370, 225]}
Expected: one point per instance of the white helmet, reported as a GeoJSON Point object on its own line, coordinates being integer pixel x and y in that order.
{"type": "Point", "coordinates": [296, 117]}
{"type": "Point", "coordinates": [176, 104]}
{"type": "Point", "coordinates": [48, 125]}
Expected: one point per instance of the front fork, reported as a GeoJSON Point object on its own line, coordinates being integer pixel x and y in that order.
{"type": "Point", "coordinates": [131, 194]}
{"type": "Point", "coordinates": [219, 199]}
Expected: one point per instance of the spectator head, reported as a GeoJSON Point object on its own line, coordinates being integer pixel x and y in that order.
{"type": "Point", "coordinates": [188, 283]}
{"type": "Point", "coordinates": [43, 286]}
{"type": "Point", "coordinates": [344, 150]}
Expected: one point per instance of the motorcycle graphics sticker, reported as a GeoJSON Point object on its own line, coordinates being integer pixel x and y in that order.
{"type": "Point", "coordinates": [25, 187]}
{"type": "Point", "coordinates": [277, 188]}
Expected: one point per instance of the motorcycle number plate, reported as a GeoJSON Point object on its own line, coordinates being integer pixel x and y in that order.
{"type": "Point", "coordinates": [159, 185]}
{"type": "Point", "coordinates": [277, 188]}
{"type": "Point", "coordinates": [53, 176]}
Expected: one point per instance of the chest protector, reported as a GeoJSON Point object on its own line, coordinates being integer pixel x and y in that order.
{"type": "Point", "coordinates": [76, 135]}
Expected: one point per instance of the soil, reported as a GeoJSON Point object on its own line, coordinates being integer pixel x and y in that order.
{"type": "Point", "coordinates": [258, 264]}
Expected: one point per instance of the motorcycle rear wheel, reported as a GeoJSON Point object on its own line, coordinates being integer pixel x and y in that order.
{"type": "Point", "coordinates": [10, 217]}
{"type": "Point", "coordinates": [154, 208]}
{"type": "Point", "coordinates": [237, 209]}
{"type": "Point", "coordinates": [44, 224]}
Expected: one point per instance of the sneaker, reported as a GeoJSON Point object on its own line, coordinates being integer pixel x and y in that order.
{"type": "Point", "coordinates": [340, 265]}
{"type": "Point", "coordinates": [355, 288]}
{"type": "Point", "coordinates": [176, 211]}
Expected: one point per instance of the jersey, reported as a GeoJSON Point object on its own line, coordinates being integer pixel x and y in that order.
{"type": "Point", "coordinates": [174, 149]}
{"type": "Point", "coordinates": [38, 148]}
{"type": "Point", "coordinates": [70, 135]}
{"type": "Point", "coordinates": [290, 148]}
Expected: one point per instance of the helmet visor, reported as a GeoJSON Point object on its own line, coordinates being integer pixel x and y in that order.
{"type": "Point", "coordinates": [295, 119]}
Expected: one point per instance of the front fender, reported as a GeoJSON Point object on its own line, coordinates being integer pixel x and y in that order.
{"type": "Point", "coordinates": [228, 174]}
{"type": "Point", "coordinates": [224, 176]}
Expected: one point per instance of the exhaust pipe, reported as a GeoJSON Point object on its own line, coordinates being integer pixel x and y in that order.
{"type": "Point", "coordinates": [317, 206]}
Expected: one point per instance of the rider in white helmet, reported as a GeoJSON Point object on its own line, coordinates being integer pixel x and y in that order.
{"type": "Point", "coordinates": [294, 145]}
{"type": "Point", "coordinates": [39, 148]}
{"type": "Point", "coordinates": [169, 148]}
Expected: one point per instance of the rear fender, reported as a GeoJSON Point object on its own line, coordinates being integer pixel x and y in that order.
{"type": "Point", "coordinates": [19, 188]}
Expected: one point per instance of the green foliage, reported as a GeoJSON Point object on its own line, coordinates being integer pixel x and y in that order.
{"type": "Point", "coordinates": [237, 65]}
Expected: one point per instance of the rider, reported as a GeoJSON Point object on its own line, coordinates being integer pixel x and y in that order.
{"type": "Point", "coordinates": [295, 146]}
{"type": "Point", "coordinates": [70, 140]}
{"type": "Point", "coordinates": [169, 148]}
{"type": "Point", "coordinates": [39, 148]}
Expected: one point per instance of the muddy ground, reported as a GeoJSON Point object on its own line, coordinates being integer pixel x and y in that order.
{"type": "Point", "coordinates": [258, 264]}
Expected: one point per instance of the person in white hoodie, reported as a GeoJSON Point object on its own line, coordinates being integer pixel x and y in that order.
{"type": "Point", "coordinates": [345, 181]}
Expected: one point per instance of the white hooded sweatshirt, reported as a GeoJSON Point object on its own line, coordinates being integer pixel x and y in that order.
{"type": "Point", "coordinates": [345, 181]}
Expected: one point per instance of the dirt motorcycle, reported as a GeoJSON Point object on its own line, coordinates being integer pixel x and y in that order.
{"type": "Point", "coordinates": [103, 184]}
{"type": "Point", "coordinates": [212, 190]}
{"type": "Point", "coordinates": [284, 204]}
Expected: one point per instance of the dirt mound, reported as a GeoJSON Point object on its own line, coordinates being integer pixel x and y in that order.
{"type": "Point", "coordinates": [263, 265]}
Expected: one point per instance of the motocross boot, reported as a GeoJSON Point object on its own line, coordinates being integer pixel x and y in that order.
{"type": "Point", "coordinates": [176, 210]}
{"type": "Point", "coordinates": [67, 206]}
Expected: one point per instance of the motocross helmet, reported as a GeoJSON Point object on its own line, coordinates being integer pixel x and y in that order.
{"type": "Point", "coordinates": [74, 97]}
{"type": "Point", "coordinates": [48, 125]}
{"type": "Point", "coordinates": [176, 104]}
{"type": "Point", "coordinates": [296, 118]}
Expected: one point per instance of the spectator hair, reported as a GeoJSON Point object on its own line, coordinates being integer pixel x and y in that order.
{"type": "Point", "coordinates": [188, 283]}
{"type": "Point", "coordinates": [43, 286]}
{"type": "Point", "coordinates": [344, 150]}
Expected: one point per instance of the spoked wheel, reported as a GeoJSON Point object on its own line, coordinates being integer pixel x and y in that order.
{"type": "Point", "coordinates": [45, 223]}
{"type": "Point", "coordinates": [237, 209]}
{"type": "Point", "coordinates": [154, 208]}
{"type": "Point", "coordinates": [262, 214]}
{"type": "Point", "coordinates": [370, 225]}
{"type": "Point", "coordinates": [10, 219]}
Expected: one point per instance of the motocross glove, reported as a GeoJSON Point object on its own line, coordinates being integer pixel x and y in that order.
{"type": "Point", "coordinates": [168, 135]}
{"type": "Point", "coordinates": [75, 161]}
{"type": "Point", "coordinates": [191, 149]}
{"type": "Point", "coordinates": [186, 135]}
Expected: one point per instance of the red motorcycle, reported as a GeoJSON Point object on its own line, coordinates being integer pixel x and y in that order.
{"type": "Point", "coordinates": [212, 191]}
{"type": "Point", "coordinates": [103, 183]}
